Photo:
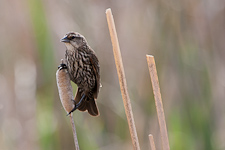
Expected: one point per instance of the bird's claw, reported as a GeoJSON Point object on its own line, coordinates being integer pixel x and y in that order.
{"type": "Point", "coordinates": [62, 66]}
{"type": "Point", "coordinates": [74, 108]}
{"type": "Point", "coordinates": [76, 105]}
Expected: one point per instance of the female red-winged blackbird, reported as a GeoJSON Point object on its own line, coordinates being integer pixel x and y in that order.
{"type": "Point", "coordinates": [84, 70]}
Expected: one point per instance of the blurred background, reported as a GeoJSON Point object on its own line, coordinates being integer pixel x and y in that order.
{"type": "Point", "coordinates": [186, 37]}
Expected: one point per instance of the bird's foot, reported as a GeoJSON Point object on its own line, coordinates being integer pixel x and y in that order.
{"type": "Point", "coordinates": [74, 108]}
{"type": "Point", "coordinates": [76, 105]}
{"type": "Point", "coordinates": [62, 66]}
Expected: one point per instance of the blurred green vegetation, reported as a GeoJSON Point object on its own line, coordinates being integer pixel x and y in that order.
{"type": "Point", "coordinates": [186, 38]}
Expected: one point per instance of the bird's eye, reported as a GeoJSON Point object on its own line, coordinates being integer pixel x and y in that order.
{"type": "Point", "coordinates": [72, 37]}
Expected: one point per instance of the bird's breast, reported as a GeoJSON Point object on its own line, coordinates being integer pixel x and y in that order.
{"type": "Point", "coordinates": [81, 70]}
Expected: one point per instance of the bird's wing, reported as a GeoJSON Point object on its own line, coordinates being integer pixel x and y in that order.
{"type": "Point", "coordinates": [96, 68]}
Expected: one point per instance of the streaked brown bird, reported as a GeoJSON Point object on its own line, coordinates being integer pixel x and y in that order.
{"type": "Point", "coordinates": [84, 70]}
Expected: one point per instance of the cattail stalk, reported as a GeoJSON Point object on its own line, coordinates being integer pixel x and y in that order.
{"type": "Point", "coordinates": [158, 101]}
{"type": "Point", "coordinates": [122, 79]}
{"type": "Point", "coordinates": [151, 141]}
{"type": "Point", "coordinates": [66, 97]}
{"type": "Point", "coordinates": [74, 132]}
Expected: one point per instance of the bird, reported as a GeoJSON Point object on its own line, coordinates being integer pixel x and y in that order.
{"type": "Point", "coordinates": [83, 67]}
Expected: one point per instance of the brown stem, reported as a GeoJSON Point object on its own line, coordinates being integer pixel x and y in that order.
{"type": "Point", "coordinates": [158, 101]}
{"type": "Point", "coordinates": [74, 132]}
{"type": "Point", "coordinates": [122, 79]}
{"type": "Point", "coordinates": [152, 143]}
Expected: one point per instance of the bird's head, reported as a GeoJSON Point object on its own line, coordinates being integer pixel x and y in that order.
{"type": "Point", "coordinates": [74, 39]}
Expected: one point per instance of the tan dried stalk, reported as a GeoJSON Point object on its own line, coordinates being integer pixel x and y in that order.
{"type": "Point", "coordinates": [74, 132]}
{"type": "Point", "coordinates": [158, 101]}
{"type": "Point", "coordinates": [152, 143]}
{"type": "Point", "coordinates": [66, 97]}
{"type": "Point", "coordinates": [122, 79]}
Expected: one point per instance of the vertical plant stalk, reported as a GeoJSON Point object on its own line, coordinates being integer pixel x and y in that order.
{"type": "Point", "coordinates": [158, 101]}
{"type": "Point", "coordinates": [66, 97]}
{"type": "Point", "coordinates": [152, 143]}
{"type": "Point", "coordinates": [74, 132]}
{"type": "Point", "coordinates": [122, 79]}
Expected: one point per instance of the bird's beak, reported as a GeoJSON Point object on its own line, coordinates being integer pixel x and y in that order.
{"type": "Point", "coordinates": [65, 40]}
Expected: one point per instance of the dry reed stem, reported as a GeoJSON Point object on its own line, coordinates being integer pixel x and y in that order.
{"type": "Point", "coordinates": [66, 96]}
{"type": "Point", "coordinates": [152, 143]}
{"type": "Point", "coordinates": [158, 101]}
{"type": "Point", "coordinates": [74, 132]}
{"type": "Point", "coordinates": [122, 79]}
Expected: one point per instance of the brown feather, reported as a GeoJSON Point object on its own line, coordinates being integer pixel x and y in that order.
{"type": "Point", "coordinates": [92, 108]}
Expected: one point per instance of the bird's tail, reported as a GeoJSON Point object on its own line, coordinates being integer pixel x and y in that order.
{"type": "Point", "coordinates": [92, 107]}
{"type": "Point", "coordinates": [87, 104]}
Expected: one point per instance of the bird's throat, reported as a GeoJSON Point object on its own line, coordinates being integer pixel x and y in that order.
{"type": "Point", "coordinates": [69, 46]}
